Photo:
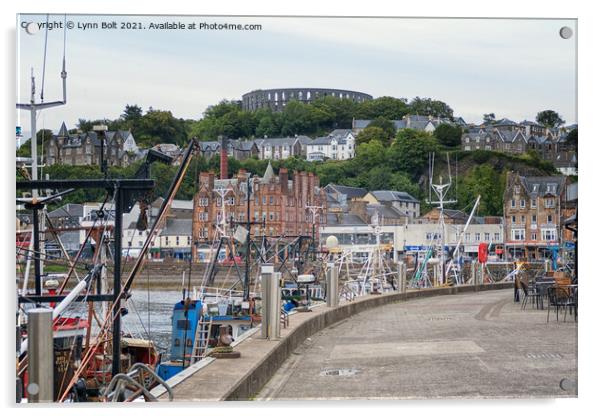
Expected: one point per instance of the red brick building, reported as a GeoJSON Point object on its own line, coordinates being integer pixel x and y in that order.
{"type": "Point", "coordinates": [279, 203]}
{"type": "Point", "coordinates": [534, 214]}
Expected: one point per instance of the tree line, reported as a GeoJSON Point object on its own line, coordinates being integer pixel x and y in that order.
{"type": "Point", "coordinates": [228, 119]}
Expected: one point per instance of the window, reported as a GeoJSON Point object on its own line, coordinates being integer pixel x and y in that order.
{"type": "Point", "coordinates": [522, 203]}
{"type": "Point", "coordinates": [486, 236]}
{"type": "Point", "coordinates": [548, 234]}
{"type": "Point", "coordinates": [513, 203]}
{"type": "Point", "coordinates": [467, 237]}
{"type": "Point", "coordinates": [522, 219]}
{"type": "Point", "coordinates": [177, 240]}
{"type": "Point", "coordinates": [518, 234]}
{"type": "Point", "coordinates": [550, 219]}
{"type": "Point", "coordinates": [533, 219]}
{"type": "Point", "coordinates": [271, 200]}
{"type": "Point", "coordinates": [230, 200]}
{"type": "Point", "coordinates": [513, 219]}
{"type": "Point", "coordinates": [204, 216]}
{"type": "Point", "coordinates": [496, 236]}
{"type": "Point", "coordinates": [263, 200]}
{"type": "Point", "coordinates": [533, 236]}
{"type": "Point", "coordinates": [477, 236]}
{"type": "Point", "coordinates": [533, 203]}
{"type": "Point", "coordinates": [549, 202]}
{"type": "Point", "coordinates": [517, 189]}
{"type": "Point", "coordinates": [467, 140]}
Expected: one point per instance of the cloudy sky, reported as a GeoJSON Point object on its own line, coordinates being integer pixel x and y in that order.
{"type": "Point", "coordinates": [513, 68]}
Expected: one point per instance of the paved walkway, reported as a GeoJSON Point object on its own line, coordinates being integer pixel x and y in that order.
{"type": "Point", "coordinates": [463, 346]}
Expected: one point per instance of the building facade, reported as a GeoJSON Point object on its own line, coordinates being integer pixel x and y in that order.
{"type": "Point", "coordinates": [85, 148]}
{"type": "Point", "coordinates": [509, 137]}
{"type": "Point", "coordinates": [278, 148]}
{"type": "Point", "coordinates": [403, 202]}
{"type": "Point", "coordinates": [277, 204]}
{"type": "Point", "coordinates": [338, 145]}
{"type": "Point", "coordinates": [533, 215]}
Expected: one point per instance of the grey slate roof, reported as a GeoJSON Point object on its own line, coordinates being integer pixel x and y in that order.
{"type": "Point", "coordinates": [340, 132]}
{"type": "Point", "coordinates": [304, 139]}
{"type": "Point", "coordinates": [507, 136]}
{"type": "Point", "coordinates": [543, 185]}
{"type": "Point", "coordinates": [325, 141]}
{"type": "Point", "coordinates": [243, 145]}
{"type": "Point", "coordinates": [278, 141]}
{"type": "Point", "coordinates": [63, 132]}
{"type": "Point", "coordinates": [504, 122]}
{"type": "Point", "coordinates": [456, 214]}
{"type": "Point", "coordinates": [538, 139]}
{"type": "Point", "coordinates": [177, 227]}
{"type": "Point", "coordinates": [68, 210]}
{"type": "Point", "coordinates": [388, 196]}
{"type": "Point", "coordinates": [345, 219]}
{"type": "Point", "coordinates": [384, 211]}
{"type": "Point", "coordinates": [350, 191]}
{"type": "Point", "coordinates": [269, 173]}
{"type": "Point", "coordinates": [210, 146]}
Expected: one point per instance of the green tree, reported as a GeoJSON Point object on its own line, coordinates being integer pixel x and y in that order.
{"type": "Point", "coordinates": [403, 183]}
{"type": "Point", "coordinates": [387, 107]}
{"type": "Point", "coordinates": [340, 111]}
{"type": "Point", "coordinates": [375, 178]}
{"type": "Point", "coordinates": [482, 180]}
{"type": "Point", "coordinates": [430, 107]}
{"type": "Point", "coordinates": [571, 138]}
{"type": "Point", "coordinates": [132, 113]}
{"type": "Point", "coordinates": [386, 125]}
{"type": "Point", "coordinates": [372, 133]}
{"type": "Point", "coordinates": [157, 126]}
{"type": "Point", "coordinates": [370, 154]}
{"type": "Point", "coordinates": [409, 151]}
{"type": "Point", "coordinates": [489, 118]}
{"type": "Point", "coordinates": [549, 118]}
{"type": "Point", "coordinates": [448, 135]}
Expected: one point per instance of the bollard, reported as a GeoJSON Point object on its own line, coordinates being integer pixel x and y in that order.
{"type": "Point", "coordinates": [402, 270]}
{"type": "Point", "coordinates": [266, 279]}
{"type": "Point", "coordinates": [40, 356]}
{"type": "Point", "coordinates": [332, 286]}
{"type": "Point", "coordinates": [473, 274]}
{"type": "Point", "coordinates": [275, 306]}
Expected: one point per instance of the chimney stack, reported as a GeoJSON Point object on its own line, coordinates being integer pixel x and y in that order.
{"type": "Point", "coordinates": [223, 158]}
{"type": "Point", "coordinates": [283, 179]}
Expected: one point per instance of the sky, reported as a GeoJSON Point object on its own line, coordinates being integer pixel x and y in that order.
{"type": "Point", "coordinates": [511, 67]}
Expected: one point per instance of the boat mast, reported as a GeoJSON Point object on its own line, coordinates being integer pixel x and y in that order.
{"type": "Point", "coordinates": [33, 108]}
{"type": "Point", "coordinates": [441, 189]}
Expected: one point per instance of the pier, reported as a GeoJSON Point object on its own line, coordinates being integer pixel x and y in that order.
{"type": "Point", "coordinates": [469, 341]}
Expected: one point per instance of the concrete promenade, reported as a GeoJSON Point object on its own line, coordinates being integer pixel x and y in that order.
{"type": "Point", "coordinates": [472, 345]}
{"type": "Point", "coordinates": [244, 378]}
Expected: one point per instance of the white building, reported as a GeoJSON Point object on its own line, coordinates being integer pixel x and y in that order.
{"type": "Point", "coordinates": [338, 145]}
{"type": "Point", "coordinates": [412, 238]}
